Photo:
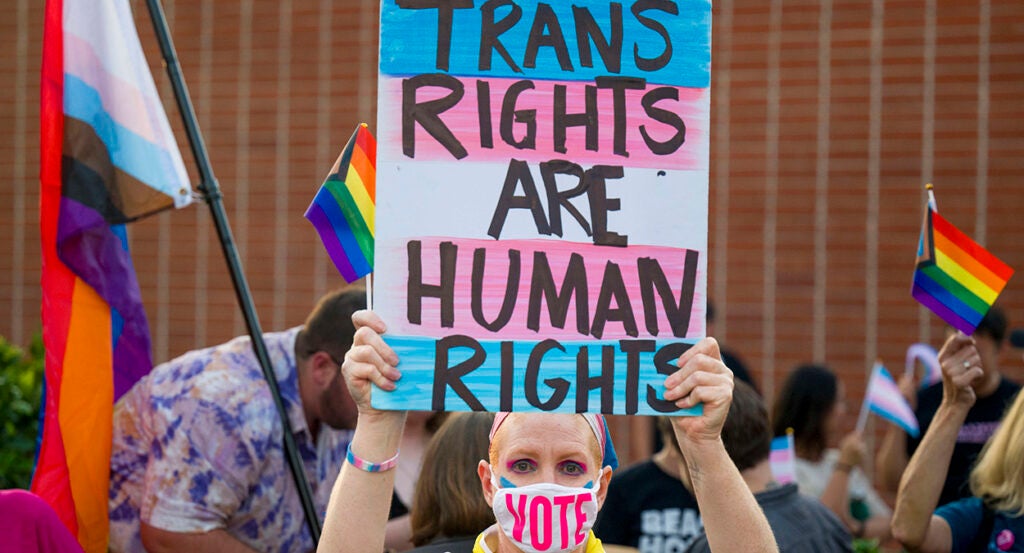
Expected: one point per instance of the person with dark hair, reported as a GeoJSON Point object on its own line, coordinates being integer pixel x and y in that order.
{"type": "Point", "coordinates": [448, 511]}
{"type": "Point", "coordinates": [800, 523]}
{"type": "Point", "coordinates": [647, 506]}
{"type": "Point", "coordinates": [197, 462]}
{"type": "Point", "coordinates": [994, 393]}
{"type": "Point", "coordinates": [812, 402]}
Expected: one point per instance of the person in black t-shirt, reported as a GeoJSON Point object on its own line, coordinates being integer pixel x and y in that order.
{"type": "Point", "coordinates": [648, 507]}
{"type": "Point", "coordinates": [994, 393]}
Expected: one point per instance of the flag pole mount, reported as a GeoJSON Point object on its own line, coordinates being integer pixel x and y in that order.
{"type": "Point", "coordinates": [211, 194]}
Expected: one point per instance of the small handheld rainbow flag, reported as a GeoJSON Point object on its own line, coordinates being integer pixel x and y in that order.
{"type": "Point", "coordinates": [955, 277]}
{"type": "Point", "coordinates": [342, 211]}
{"type": "Point", "coordinates": [884, 399]}
{"type": "Point", "coordinates": [782, 458]}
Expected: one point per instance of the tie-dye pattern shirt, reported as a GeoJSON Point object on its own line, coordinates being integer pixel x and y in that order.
{"type": "Point", "coordinates": [198, 446]}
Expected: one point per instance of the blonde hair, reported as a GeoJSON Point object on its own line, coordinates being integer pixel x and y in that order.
{"type": "Point", "coordinates": [998, 478]}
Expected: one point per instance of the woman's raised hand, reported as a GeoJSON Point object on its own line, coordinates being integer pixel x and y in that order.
{"type": "Point", "coordinates": [702, 378]}
{"type": "Point", "coordinates": [370, 360]}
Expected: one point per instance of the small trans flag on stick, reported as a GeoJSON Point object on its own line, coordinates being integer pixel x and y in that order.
{"type": "Point", "coordinates": [783, 458]}
{"type": "Point", "coordinates": [342, 211]}
{"type": "Point", "coordinates": [884, 399]}
{"type": "Point", "coordinates": [955, 277]}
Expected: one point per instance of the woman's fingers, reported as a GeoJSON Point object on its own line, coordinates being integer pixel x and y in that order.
{"type": "Point", "coordinates": [369, 359]}
{"type": "Point", "coordinates": [366, 336]}
{"type": "Point", "coordinates": [708, 346]}
{"type": "Point", "coordinates": [367, 318]}
{"type": "Point", "coordinates": [966, 378]}
{"type": "Point", "coordinates": [704, 375]}
{"type": "Point", "coordinates": [711, 391]}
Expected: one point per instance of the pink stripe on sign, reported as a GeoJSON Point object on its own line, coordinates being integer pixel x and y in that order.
{"type": "Point", "coordinates": [486, 141]}
{"type": "Point", "coordinates": [619, 293]}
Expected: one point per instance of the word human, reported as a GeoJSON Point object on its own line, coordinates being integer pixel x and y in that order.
{"type": "Point", "coordinates": [550, 296]}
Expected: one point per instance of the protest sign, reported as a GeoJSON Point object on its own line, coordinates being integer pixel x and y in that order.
{"type": "Point", "coordinates": [542, 191]}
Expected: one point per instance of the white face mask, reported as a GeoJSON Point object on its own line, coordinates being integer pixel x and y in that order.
{"type": "Point", "coordinates": [545, 518]}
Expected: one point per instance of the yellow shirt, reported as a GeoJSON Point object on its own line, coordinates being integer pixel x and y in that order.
{"type": "Point", "coordinates": [491, 535]}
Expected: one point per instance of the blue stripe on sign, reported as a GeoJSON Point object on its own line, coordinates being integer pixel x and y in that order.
{"type": "Point", "coordinates": [415, 388]}
{"type": "Point", "coordinates": [409, 43]}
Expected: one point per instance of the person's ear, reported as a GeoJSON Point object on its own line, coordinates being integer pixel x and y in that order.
{"type": "Point", "coordinates": [322, 369]}
{"type": "Point", "coordinates": [483, 470]}
{"type": "Point", "coordinates": [606, 479]}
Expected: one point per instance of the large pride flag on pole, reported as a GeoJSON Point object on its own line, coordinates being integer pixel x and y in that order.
{"type": "Point", "coordinates": [108, 157]}
{"type": "Point", "coordinates": [955, 277]}
{"type": "Point", "coordinates": [342, 210]}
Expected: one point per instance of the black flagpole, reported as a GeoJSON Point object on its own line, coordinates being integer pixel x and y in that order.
{"type": "Point", "coordinates": [211, 193]}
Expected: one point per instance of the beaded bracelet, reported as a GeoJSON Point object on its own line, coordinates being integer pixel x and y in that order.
{"type": "Point", "coordinates": [363, 464]}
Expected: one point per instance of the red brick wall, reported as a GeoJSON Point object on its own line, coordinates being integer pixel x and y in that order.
{"type": "Point", "coordinates": [827, 119]}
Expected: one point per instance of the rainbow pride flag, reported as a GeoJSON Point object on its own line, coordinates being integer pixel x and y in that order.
{"type": "Point", "coordinates": [955, 277]}
{"type": "Point", "coordinates": [108, 157]}
{"type": "Point", "coordinates": [342, 211]}
{"type": "Point", "coordinates": [884, 399]}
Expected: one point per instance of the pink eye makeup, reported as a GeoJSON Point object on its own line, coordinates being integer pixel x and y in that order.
{"type": "Point", "coordinates": [521, 466]}
{"type": "Point", "coordinates": [574, 468]}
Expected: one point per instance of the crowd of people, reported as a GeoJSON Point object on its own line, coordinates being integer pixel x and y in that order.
{"type": "Point", "coordinates": [198, 463]}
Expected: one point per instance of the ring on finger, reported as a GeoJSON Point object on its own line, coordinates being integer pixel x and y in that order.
{"type": "Point", "coordinates": [967, 364]}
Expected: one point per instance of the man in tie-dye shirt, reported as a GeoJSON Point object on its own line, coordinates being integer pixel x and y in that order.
{"type": "Point", "coordinates": [198, 461]}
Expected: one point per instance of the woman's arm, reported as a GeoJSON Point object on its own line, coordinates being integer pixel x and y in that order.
{"type": "Point", "coordinates": [732, 518]}
{"type": "Point", "coordinates": [358, 509]}
{"type": "Point", "coordinates": [913, 523]}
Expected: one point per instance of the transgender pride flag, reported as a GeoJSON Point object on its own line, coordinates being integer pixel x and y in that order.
{"type": "Point", "coordinates": [782, 458]}
{"type": "Point", "coordinates": [884, 399]}
{"type": "Point", "coordinates": [107, 157]}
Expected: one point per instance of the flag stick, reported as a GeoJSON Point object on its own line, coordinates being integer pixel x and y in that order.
{"type": "Point", "coordinates": [211, 193]}
{"type": "Point", "coordinates": [862, 419]}
{"type": "Point", "coordinates": [931, 197]}
{"type": "Point", "coordinates": [369, 291]}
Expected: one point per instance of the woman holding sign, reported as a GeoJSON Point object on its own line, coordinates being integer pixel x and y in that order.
{"type": "Point", "coordinates": [545, 479]}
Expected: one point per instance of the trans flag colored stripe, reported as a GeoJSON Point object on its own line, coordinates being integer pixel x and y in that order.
{"type": "Point", "coordinates": [782, 458]}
